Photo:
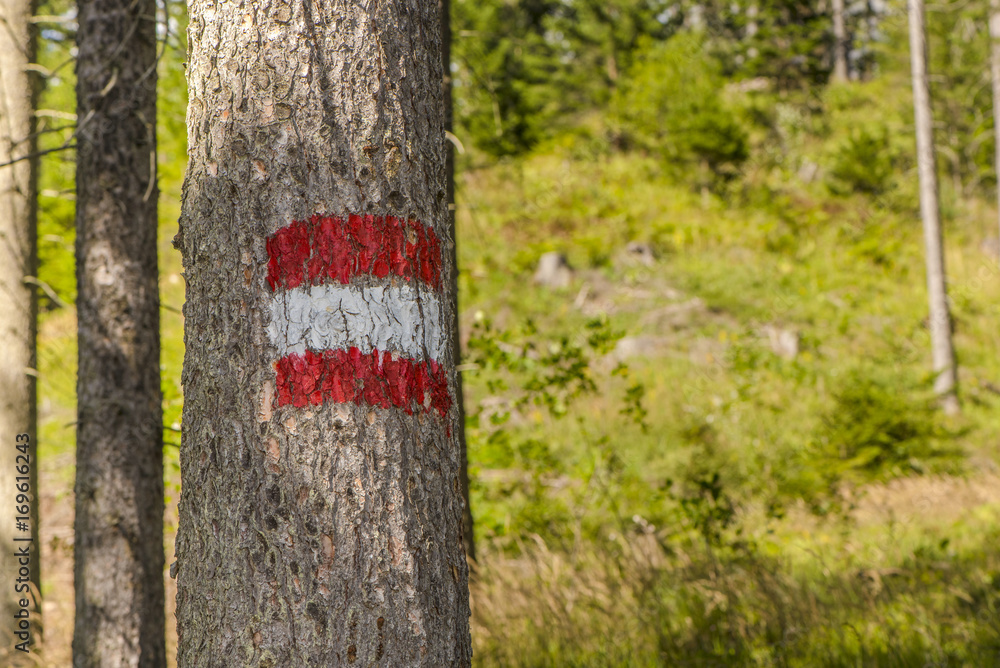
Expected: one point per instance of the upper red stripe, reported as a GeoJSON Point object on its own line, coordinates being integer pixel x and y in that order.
{"type": "Point", "coordinates": [374, 378]}
{"type": "Point", "coordinates": [330, 248]}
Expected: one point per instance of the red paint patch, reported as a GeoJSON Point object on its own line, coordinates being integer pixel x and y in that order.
{"type": "Point", "coordinates": [332, 249]}
{"type": "Point", "coordinates": [376, 379]}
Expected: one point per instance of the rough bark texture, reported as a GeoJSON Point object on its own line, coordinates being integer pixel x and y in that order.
{"type": "Point", "coordinates": [325, 533]}
{"type": "Point", "coordinates": [119, 471]}
{"type": "Point", "coordinates": [468, 535]}
{"type": "Point", "coordinates": [940, 317]}
{"type": "Point", "coordinates": [839, 42]}
{"type": "Point", "coordinates": [18, 304]}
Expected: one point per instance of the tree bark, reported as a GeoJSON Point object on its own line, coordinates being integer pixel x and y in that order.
{"type": "Point", "coordinates": [468, 534]}
{"type": "Point", "coordinates": [18, 315]}
{"type": "Point", "coordinates": [940, 317]}
{"type": "Point", "coordinates": [119, 555]}
{"type": "Point", "coordinates": [839, 42]}
{"type": "Point", "coordinates": [321, 508]}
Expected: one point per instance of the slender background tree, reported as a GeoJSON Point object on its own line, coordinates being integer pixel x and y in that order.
{"type": "Point", "coordinates": [119, 558]}
{"type": "Point", "coordinates": [321, 507]}
{"type": "Point", "coordinates": [994, 29]}
{"type": "Point", "coordinates": [18, 302]}
{"type": "Point", "coordinates": [839, 42]}
{"type": "Point", "coordinates": [930, 210]}
{"type": "Point", "coordinates": [468, 533]}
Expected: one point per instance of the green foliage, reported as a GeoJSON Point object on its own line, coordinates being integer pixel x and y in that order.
{"type": "Point", "coordinates": [671, 103]}
{"type": "Point", "coordinates": [604, 37]}
{"type": "Point", "coordinates": [683, 539]}
{"type": "Point", "coordinates": [863, 163]}
{"type": "Point", "coordinates": [503, 70]}
{"type": "Point", "coordinates": [786, 41]}
{"type": "Point", "coordinates": [960, 94]}
{"type": "Point", "coordinates": [551, 374]}
{"type": "Point", "coordinates": [525, 70]}
{"type": "Point", "coordinates": [880, 428]}
{"type": "Point", "coordinates": [56, 182]}
{"type": "Point", "coordinates": [791, 44]}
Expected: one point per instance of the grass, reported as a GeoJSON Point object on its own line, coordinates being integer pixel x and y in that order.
{"type": "Point", "coordinates": [731, 530]}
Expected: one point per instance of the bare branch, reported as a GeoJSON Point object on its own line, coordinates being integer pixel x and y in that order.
{"type": "Point", "coordinates": [47, 289]}
{"type": "Point", "coordinates": [37, 154]}
{"type": "Point", "coordinates": [52, 18]}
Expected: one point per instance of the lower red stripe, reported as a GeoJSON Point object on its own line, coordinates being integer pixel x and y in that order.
{"type": "Point", "coordinates": [374, 378]}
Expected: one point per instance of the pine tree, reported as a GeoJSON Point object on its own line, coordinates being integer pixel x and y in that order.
{"type": "Point", "coordinates": [321, 511]}
{"type": "Point", "coordinates": [505, 97]}
{"type": "Point", "coordinates": [787, 41]}
{"type": "Point", "coordinates": [118, 548]}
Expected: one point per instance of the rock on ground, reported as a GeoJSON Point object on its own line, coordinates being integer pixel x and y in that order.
{"type": "Point", "coordinates": [553, 271]}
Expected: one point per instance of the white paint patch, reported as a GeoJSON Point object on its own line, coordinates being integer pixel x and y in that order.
{"type": "Point", "coordinates": [395, 319]}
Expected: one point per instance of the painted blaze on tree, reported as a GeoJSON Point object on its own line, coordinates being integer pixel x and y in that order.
{"type": "Point", "coordinates": [321, 508]}
{"type": "Point", "coordinates": [377, 345]}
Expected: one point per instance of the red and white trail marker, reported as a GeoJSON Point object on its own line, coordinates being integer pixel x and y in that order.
{"type": "Point", "coordinates": [357, 313]}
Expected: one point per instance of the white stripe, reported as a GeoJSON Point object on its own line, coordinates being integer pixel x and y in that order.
{"type": "Point", "coordinates": [395, 319]}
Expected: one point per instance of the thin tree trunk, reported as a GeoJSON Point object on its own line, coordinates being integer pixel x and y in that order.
{"type": "Point", "coordinates": [940, 318]}
{"type": "Point", "coordinates": [18, 314]}
{"type": "Point", "coordinates": [995, 77]}
{"type": "Point", "coordinates": [468, 535]}
{"type": "Point", "coordinates": [839, 42]}
{"type": "Point", "coordinates": [705, 174]}
{"type": "Point", "coordinates": [321, 511]}
{"type": "Point", "coordinates": [118, 549]}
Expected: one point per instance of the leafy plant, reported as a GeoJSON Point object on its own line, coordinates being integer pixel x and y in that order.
{"type": "Point", "coordinates": [880, 428]}
{"type": "Point", "coordinates": [863, 163]}
{"type": "Point", "coordinates": [671, 104]}
{"type": "Point", "coordinates": [550, 373]}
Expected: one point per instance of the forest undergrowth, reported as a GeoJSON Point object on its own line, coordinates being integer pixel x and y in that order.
{"type": "Point", "coordinates": [654, 483]}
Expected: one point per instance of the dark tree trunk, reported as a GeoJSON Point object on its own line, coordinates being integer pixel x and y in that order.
{"type": "Point", "coordinates": [321, 511]}
{"type": "Point", "coordinates": [468, 535]}
{"type": "Point", "coordinates": [119, 470]}
{"type": "Point", "coordinates": [18, 311]}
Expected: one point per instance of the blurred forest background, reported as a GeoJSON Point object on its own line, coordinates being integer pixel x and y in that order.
{"type": "Point", "coordinates": [700, 424]}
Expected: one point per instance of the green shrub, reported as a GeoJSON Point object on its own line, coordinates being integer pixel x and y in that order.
{"type": "Point", "coordinates": [880, 428]}
{"type": "Point", "coordinates": [864, 163]}
{"type": "Point", "coordinates": [671, 104]}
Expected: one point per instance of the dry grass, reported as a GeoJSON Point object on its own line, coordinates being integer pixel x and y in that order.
{"type": "Point", "coordinates": [850, 598]}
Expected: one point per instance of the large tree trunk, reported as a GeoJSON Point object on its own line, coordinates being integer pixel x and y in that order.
{"type": "Point", "coordinates": [940, 318]}
{"type": "Point", "coordinates": [119, 465]}
{"type": "Point", "coordinates": [468, 535]}
{"type": "Point", "coordinates": [839, 42]}
{"type": "Point", "coordinates": [18, 311]}
{"type": "Point", "coordinates": [321, 511]}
